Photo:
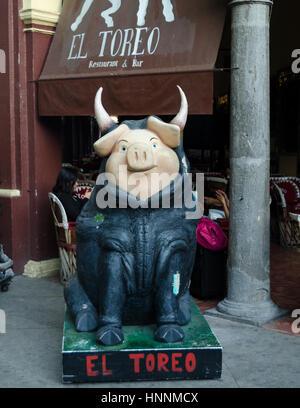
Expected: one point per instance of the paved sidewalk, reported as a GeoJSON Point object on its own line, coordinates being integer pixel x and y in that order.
{"type": "Point", "coordinates": [30, 353]}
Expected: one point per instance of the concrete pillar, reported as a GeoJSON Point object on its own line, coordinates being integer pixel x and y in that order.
{"type": "Point", "coordinates": [248, 296]}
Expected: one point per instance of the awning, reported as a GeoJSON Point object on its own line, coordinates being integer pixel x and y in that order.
{"type": "Point", "coordinates": [138, 51]}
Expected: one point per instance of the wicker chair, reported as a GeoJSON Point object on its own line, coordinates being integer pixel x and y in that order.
{"type": "Point", "coordinates": [286, 196]}
{"type": "Point", "coordinates": [65, 238]}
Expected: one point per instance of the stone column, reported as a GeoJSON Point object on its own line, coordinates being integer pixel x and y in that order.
{"type": "Point", "coordinates": [248, 295]}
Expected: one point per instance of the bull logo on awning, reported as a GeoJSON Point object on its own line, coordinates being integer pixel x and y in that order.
{"type": "Point", "coordinates": [115, 6]}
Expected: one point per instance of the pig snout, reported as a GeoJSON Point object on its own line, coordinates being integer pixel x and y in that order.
{"type": "Point", "coordinates": [140, 157]}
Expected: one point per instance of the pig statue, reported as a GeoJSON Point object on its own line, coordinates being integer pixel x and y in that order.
{"type": "Point", "coordinates": [134, 262]}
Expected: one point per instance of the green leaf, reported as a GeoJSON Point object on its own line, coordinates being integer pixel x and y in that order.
{"type": "Point", "coordinates": [99, 217]}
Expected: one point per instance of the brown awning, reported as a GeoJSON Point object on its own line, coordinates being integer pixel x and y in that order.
{"type": "Point", "coordinates": [137, 53]}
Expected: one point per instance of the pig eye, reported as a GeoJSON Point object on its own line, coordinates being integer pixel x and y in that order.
{"type": "Point", "coordinates": [123, 148]}
{"type": "Point", "coordinates": [154, 145]}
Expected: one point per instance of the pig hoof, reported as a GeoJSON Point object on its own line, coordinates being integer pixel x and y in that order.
{"type": "Point", "coordinates": [86, 321]}
{"type": "Point", "coordinates": [169, 333]}
{"type": "Point", "coordinates": [109, 335]}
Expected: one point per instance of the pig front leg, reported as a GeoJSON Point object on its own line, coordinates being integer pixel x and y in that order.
{"type": "Point", "coordinates": [112, 296]}
{"type": "Point", "coordinates": [171, 271]}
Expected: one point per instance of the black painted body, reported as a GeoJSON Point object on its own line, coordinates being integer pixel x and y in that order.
{"type": "Point", "coordinates": [127, 258]}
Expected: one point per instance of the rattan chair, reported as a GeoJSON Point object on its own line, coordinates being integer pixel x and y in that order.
{"type": "Point", "coordinates": [65, 238]}
{"type": "Point", "coordinates": [286, 196]}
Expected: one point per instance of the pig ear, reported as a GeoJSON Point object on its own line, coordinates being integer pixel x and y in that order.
{"type": "Point", "coordinates": [167, 132]}
{"type": "Point", "coordinates": [105, 144]}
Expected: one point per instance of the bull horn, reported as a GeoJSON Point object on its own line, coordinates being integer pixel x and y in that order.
{"type": "Point", "coordinates": [181, 117]}
{"type": "Point", "coordinates": [102, 117]}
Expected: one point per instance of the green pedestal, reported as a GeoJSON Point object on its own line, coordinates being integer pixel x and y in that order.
{"type": "Point", "coordinates": [140, 357]}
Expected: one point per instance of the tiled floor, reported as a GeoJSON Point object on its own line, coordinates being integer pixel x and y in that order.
{"type": "Point", "coordinates": [285, 288]}
{"type": "Point", "coordinates": [287, 325]}
{"type": "Point", "coordinates": [285, 277]}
